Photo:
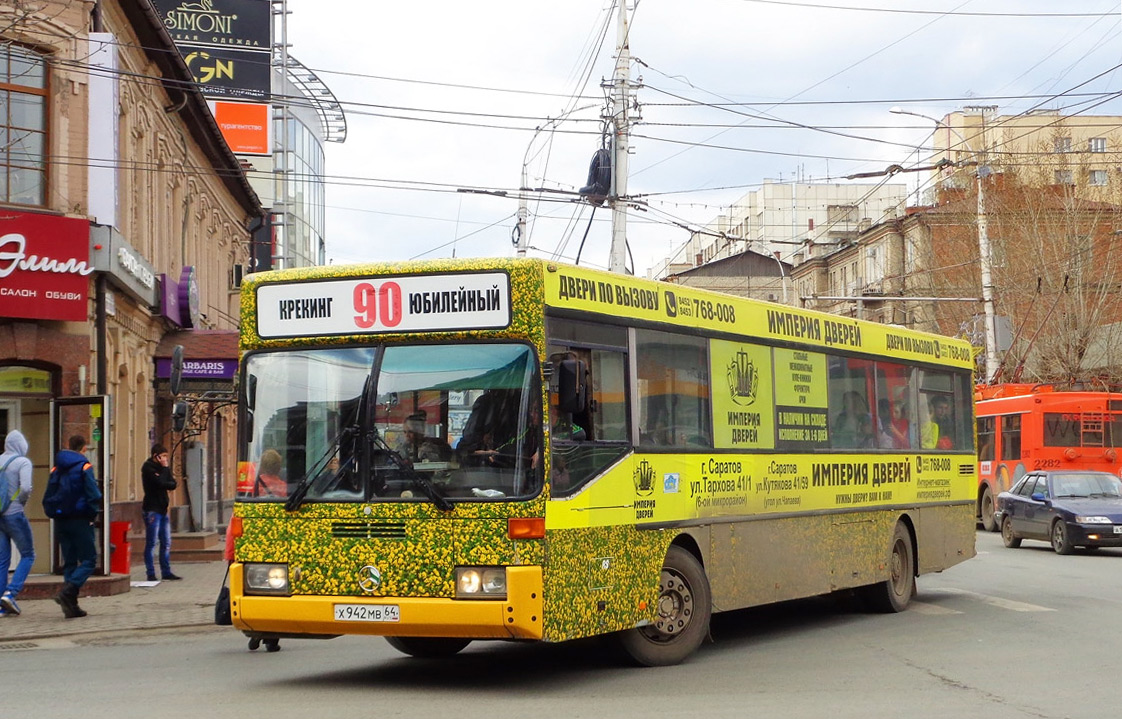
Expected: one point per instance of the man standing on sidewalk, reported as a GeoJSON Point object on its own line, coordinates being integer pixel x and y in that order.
{"type": "Point", "coordinates": [15, 483]}
{"type": "Point", "coordinates": [73, 500]}
{"type": "Point", "coordinates": [157, 480]}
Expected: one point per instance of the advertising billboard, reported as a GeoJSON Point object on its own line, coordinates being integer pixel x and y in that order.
{"type": "Point", "coordinates": [227, 44]}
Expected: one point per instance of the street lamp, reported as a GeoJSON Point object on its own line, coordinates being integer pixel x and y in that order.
{"type": "Point", "coordinates": [984, 255]}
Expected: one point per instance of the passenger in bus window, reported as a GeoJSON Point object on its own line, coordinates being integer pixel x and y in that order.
{"type": "Point", "coordinates": [269, 480]}
{"type": "Point", "coordinates": [893, 420]}
{"type": "Point", "coordinates": [938, 431]}
{"type": "Point", "coordinates": [853, 427]}
{"type": "Point", "coordinates": [417, 446]}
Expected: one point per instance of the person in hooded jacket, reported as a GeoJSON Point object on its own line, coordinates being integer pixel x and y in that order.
{"type": "Point", "coordinates": [15, 481]}
{"type": "Point", "coordinates": [155, 474]}
{"type": "Point", "coordinates": [75, 530]}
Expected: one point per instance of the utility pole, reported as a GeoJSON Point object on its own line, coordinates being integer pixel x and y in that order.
{"type": "Point", "coordinates": [988, 311]}
{"type": "Point", "coordinates": [985, 259]}
{"type": "Point", "coordinates": [621, 101]}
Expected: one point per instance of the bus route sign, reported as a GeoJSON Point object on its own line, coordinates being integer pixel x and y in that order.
{"type": "Point", "coordinates": [362, 305]}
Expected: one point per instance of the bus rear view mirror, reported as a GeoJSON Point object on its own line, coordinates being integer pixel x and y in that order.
{"type": "Point", "coordinates": [572, 386]}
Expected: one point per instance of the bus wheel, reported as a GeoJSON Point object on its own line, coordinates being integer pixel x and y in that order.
{"type": "Point", "coordinates": [1011, 540]}
{"type": "Point", "coordinates": [894, 593]}
{"type": "Point", "coordinates": [428, 647]}
{"type": "Point", "coordinates": [988, 522]}
{"type": "Point", "coordinates": [1059, 538]}
{"type": "Point", "coordinates": [684, 606]}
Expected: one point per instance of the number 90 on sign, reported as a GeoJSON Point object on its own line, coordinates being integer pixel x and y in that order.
{"type": "Point", "coordinates": [379, 304]}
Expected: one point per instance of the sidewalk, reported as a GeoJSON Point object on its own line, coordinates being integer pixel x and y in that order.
{"type": "Point", "coordinates": [189, 602]}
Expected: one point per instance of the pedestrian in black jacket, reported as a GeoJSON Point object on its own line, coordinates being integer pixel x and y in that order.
{"type": "Point", "coordinates": [157, 479]}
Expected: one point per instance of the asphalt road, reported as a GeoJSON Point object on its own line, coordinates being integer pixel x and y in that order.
{"type": "Point", "coordinates": [1011, 633]}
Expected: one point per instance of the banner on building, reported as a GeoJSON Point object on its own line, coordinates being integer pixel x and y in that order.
{"type": "Point", "coordinates": [227, 44]}
{"type": "Point", "coordinates": [245, 125]}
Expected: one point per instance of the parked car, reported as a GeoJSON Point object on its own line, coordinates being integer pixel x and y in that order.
{"type": "Point", "coordinates": [1067, 508]}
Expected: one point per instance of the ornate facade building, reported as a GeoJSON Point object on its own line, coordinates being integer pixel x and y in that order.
{"type": "Point", "coordinates": [124, 225]}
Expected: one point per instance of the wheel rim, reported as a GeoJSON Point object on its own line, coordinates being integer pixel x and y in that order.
{"type": "Point", "coordinates": [899, 576]}
{"type": "Point", "coordinates": [1058, 536]}
{"type": "Point", "coordinates": [987, 509]}
{"type": "Point", "coordinates": [675, 607]}
{"type": "Point", "coordinates": [1007, 531]}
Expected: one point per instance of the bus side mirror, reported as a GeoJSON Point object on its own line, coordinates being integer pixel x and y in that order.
{"type": "Point", "coordinates": [572, 386]}
{"type": "Point", "coordinates": [251, 391]}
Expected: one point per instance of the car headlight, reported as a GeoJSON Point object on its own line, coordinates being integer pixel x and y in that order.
{"type": "Point", "coordinates": [1092, 520]}
{"type": "Point", "coordinates": [480, 582]}
{"type": "Point", "coordinates": [266, 578]}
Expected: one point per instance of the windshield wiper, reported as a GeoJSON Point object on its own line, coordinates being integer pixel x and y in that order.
{"type": "Point", "coordinates": [419, 480]}
{"type": "Point", "coordinates": [296, 497]}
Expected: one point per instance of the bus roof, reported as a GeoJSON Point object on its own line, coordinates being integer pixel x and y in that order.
{"type": "Point", "coordinates": [565, 287]}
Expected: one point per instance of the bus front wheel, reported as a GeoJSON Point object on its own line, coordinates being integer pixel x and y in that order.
{"type": "Point", "coordinates": [682, 619]}
{"type": "Point", "coordinates": [428, 647]}
{"type": "Point", "coordinates": [894, 593]}
{"type": "Point", "coordinates": [988, 521]}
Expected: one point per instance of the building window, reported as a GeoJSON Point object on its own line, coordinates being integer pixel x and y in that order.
{"type": "Point", "coordinates": [1064, 177]}
{"type": "Point", "coordinates": [23, 122]}
{"type": "Point", "coordinates": [1062, 144]}
{"type": "Point", "coordinates": [1097, 144]}
{"type": "Point", "coordinates": [1097, 178]}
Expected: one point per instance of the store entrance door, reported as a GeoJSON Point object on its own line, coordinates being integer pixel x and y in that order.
{"type": "Point", "coordinates": [88, 417]}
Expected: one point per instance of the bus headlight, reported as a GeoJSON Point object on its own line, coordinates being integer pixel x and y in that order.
{"type": "Point", "coordinates": [1092, 520]}
{"type": "Point", "coordinates": [480, 583]}
{"type": "Point", "coordinates": [266, 579]}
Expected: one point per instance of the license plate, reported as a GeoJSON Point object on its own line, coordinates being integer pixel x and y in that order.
{"type": "Point", "coordinates": [367, 613]}
{"type": "Point", "coordinates": [1118, 529]}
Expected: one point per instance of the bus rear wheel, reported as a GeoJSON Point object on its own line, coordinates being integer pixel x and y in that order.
{"type": "Point", "coordinates": [682, 621]}
{"type": "Point", "coordinates": [894, 594]}
{"type": "Point", "coordinates": [428, 647]}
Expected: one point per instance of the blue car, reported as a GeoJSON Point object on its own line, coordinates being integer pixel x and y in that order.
{"type": "Point", "coordinates": [1067, 508]}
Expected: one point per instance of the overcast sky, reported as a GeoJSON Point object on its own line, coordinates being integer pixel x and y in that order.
{"type": "Point", "coordinates": [447, 96]}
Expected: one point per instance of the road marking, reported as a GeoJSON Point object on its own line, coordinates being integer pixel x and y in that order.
{"type": "Point", "coordinates": [998, 602]}
{"type": "Point", "coordinates": [932, 609]}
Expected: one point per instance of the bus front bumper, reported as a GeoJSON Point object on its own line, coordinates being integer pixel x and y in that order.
{"type": "Point", "coordinates": [519, 616]}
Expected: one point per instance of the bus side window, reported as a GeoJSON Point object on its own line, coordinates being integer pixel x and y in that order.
{"type": "Point", "coordinates": [1011, 437]}
{"type": "Point", "coordinates": [985, 439]}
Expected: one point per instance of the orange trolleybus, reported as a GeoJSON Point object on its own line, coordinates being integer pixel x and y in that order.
{"type": "Point", "coordinates": [1025, 427]}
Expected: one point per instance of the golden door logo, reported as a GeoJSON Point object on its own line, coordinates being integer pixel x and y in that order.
{"type": "Point", "coordinates": [743, 379]}
{"type": "Point", "coordinates": [644, 477]}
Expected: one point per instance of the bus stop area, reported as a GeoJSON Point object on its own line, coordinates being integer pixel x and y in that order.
{"type": "Point", "coordinates": [167, 605]}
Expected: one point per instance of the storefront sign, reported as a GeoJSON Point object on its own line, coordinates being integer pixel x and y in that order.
{"type": "Point", "coordinates": [112, 254]}
{"type": "Point", "coordinates": [24, 380]}
{"type": "Point", "coordinates": [188, 297]}
{"type": "Point", "coordinates": [44, 267]}
{"type": "Point", "coordinates": [199, 368]}
{"type": "Point", "coordinates": [169, 300]}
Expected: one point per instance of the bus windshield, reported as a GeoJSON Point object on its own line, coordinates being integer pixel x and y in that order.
{"type": "Point", "coordinates": [396, 423]}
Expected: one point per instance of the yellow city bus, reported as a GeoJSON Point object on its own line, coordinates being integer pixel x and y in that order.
{"type": "Point", "coordinates": [446, 451]}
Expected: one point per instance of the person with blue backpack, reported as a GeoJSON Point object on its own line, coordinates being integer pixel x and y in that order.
{"type": "Point", "coordinates": [15, 486]}
{"type": "Point", "coordinates": [73, 501]}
